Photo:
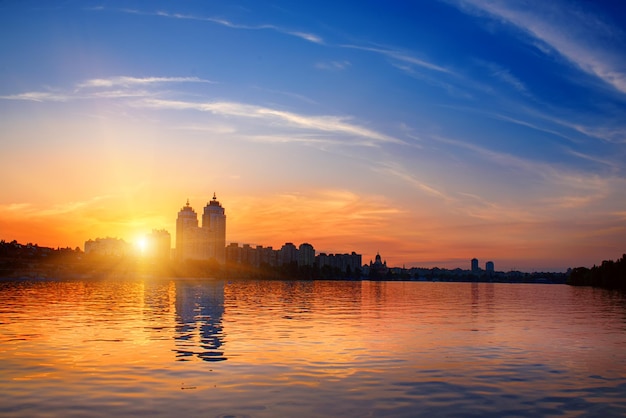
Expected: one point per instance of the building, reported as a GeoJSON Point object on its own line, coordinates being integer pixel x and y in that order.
{"type": "Point", "coordinates": [189, 240]}
{"type": "Point", "coordinates": [214, 226]}
{"type": "Point", "coordinates": [233, 253]}
{"type": "Point", "coordinates": [158, 244]}
{"type": "Point", "coordinates": [201, 243]}
{"type": "Point", "coordinates": [108, 247]}
{"type": "Point", "coordinates": [475, 268]}
{"type": "Point", "coordinates": [489, 267]}
{"type": "Point", "coordinates": [378, 269]}
{"type": "Point", "coordinates": [306, 255]}
{"type": "Point", "coordinates": [287, 254]}
{"type": "Point", "coordinates": [343, 262]}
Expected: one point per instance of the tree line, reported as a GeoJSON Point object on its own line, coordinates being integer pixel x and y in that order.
{"type": "Point", "coordinates": [610, 275]}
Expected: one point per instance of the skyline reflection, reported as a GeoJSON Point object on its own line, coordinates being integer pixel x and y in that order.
{"type": "Point", "coordinates": [199, 316]}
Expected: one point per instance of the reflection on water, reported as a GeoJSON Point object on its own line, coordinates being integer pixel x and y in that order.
{"type": "Point", "coordinates": [199, 311]}
{"type": "Point", "coordinates": [309, 348]}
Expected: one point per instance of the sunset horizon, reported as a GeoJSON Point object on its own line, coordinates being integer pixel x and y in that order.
{"type": "Point", "coordinates": [136, 237]}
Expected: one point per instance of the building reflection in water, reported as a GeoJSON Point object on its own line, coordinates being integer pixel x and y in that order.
{"type": "Point", "coordinates": [199, 315]}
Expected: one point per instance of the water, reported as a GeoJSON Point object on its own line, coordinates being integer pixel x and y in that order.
{"type": "Point", "coordinates": [306, 349]}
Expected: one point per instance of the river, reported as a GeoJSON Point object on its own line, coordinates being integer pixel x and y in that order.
{"type": "Point", "coordinates": [212, 348]}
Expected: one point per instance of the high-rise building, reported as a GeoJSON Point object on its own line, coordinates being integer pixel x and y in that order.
{"type": "Point", "coordinates": [201, 243]}
{"type": "Point", "coordinates": [306, 255]}
{"type": "Point", "coordinates": [475, 268]}
{"type": "Point", "coordinates": [287, 254]}
{"type": "Point", "coordinates": [159, 244]}
{"type": "Point", "coordinates": [489, 267]}
{"type": "Point", "coordinates": [214, 227]}
{"type": "Point", "coordinates": [189, 242]}
{"type": "Point", "coordinates": [107, 247]}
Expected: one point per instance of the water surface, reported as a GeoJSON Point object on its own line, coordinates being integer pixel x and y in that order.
{"type": "Point", "coordinates": [211, 348]}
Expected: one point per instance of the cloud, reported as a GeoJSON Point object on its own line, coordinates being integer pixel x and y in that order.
{"type": "Point", "coordinates": [97, 89]}
{"type": "Point", "coordinates": [348, 216]}
{"type": "Point", "coordinates": [592, 158]}
{"type": "Point", "coordinates": [566, 181]}
{"type": "Point", "coordinates": [504, 75]}
{"type": "Point", "coordinates": [332, 65]}
{"type": "Point", "coordinates": [299, 97]}
{"type": "Point", "coordinates": [396, 170]}
{"type": "Point", "coordinates": [306, 36]}
{"type": "Point", "coordinates": [133, 81]}
{"type": "Point", "coordinates": [16, 207]}
{"type": "Point", "coordinates": [615, 135]}
{"type": "Point", "coordinates": [615, 132]}
{"type": "Point", "coordinates": [333, 124]}
{"type": "Point", "coordinates": [120, 87]}
{"type": "Point", "coordinates": [38, 96]}
{"type": "Point", "coordinates": [529, 125]}
{"type": "Point", "coordinates": [577, 35]}
{"type": "Point", "coordinates": [310, 37]}
{"type": "Point", "coordinates": [31, 211]}
{"type": "Point", "coordinates": [401, 56]}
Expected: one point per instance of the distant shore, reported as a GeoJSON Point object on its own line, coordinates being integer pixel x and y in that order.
{"type": "Point", "coordinates": [18, 261]}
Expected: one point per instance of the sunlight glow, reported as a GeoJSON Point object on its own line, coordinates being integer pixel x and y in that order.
{"type": "Point", "coordinates": [141, 244]}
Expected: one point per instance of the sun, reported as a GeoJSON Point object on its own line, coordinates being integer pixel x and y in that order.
{"type": "Point", "coordinates": [142, 245]}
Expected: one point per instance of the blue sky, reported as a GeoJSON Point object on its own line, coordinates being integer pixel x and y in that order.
{"type": "Point", "coordinates": [431, 131]}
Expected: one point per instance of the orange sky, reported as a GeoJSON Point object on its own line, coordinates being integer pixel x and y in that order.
{"type": "Point", "coordinates": [333, 221]}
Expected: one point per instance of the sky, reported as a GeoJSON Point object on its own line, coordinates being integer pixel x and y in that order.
{"type": "Point", "coordinates": [431, 132]}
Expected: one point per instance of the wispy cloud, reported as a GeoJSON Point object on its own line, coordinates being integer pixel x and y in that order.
{"type": "Point", "coordinates": [471, 205]}
{"type": "Point", "coordinates": [505, 160]}
{"type": "Point", "coordinates": [334, 124]}
{"type": "Point", "coordinates": [400, 56]}
{"type": "Point", "coordinates": [530, 125]}
{"type": "Point", "coordinates": [299, 97]}
{"type": "Point", "coordinates": [310, 37]}
{"type": "Point", "coordinates": [51, 211]}
{"type": "Point", "coordinates": [504, 75]}
{"type": "Point", "coordinates": [577, 35]}
{"type": "Point", "coordinates": [125, 81]}
{"type": "Point", "coordinates": [333, 65]}
{"type": "Point", "coordinates": [122, 87]}
{"type": "Point", "coordinates": [566, 180]}
{"type": "Point", "coordinates": [38, 96]}
{"type": "Point", "coordinates": [612, 132]}
{"type": "Point", "coordinates": [397, 170]}
{"type": "Point", "coordinates": [348, 214]}
{"type": "Point", "coordinates": [593, 158]}
{"type": "Point", "coordinates": [103, 88]}
{"type": "Point", "coordinates": [302, 35]}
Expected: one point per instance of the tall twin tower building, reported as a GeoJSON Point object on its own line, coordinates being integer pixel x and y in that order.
{"type": "Point", "coordinates": [205, 242]}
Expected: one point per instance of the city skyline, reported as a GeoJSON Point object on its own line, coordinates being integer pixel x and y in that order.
{"type": "Point", "coordinates": [431, 132]}
{"type": "Point", "coordinates": [201, 242]}
{"type": "Point", "coordinates": [204, 242]}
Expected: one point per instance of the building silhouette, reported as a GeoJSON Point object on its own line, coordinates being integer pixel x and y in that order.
{"type": "Point", "coordinates": [378, 269]}
{"type": "Point", "coordinates": [287, 254]}
{"type": "Point", "coordinates": [214, 226]}
{"type": "Point", "coordinates": [205, 242]}
{"type": "Point", "coordinates": [475, 268]}
{"type": "Point", "coordinates": [343, 262]}
{"type": "Point", "coordinates": [306, 254]}
{"type": "Point", "coordinates": [159, 244]}
{"type": "Point", "coordinates": [107, 247]}
{"type": "Point", "coordinates": [188, 236]}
